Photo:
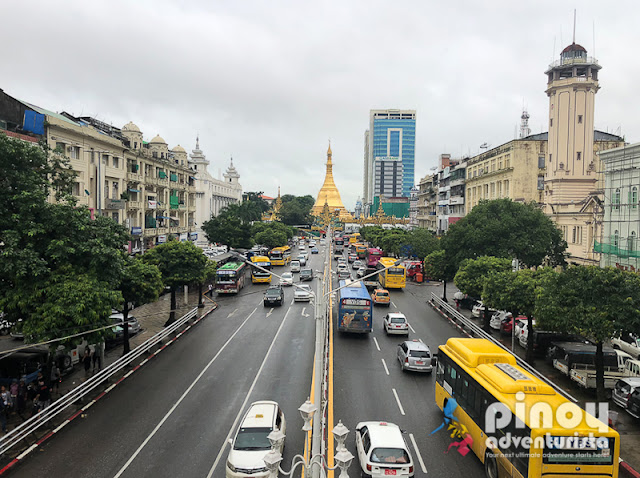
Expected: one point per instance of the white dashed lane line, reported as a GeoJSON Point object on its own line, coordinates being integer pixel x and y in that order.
{"type": "Point", "coordinates": [385, 366]}
{"type": "Point", "coordinates": [394, 305]}
{"type": "Point", "coordinates": [415, 446]}
{"type": "Point", "coordinates": [395, 394]}
{"type": "Point", "coordinates": [376, 342]}
{"type": "Point", "coordinates": [411, 328]}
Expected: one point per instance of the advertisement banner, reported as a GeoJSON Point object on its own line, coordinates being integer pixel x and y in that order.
{"type": "Point", "coordinates": [162, 239]}
{"type": "Point", "coordinates": [136, 231]}
{"type": "Point", "coordinates": [153, 204]}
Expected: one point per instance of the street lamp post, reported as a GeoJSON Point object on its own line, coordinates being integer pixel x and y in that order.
{"type": "Point", "coordinates": [315, 463]}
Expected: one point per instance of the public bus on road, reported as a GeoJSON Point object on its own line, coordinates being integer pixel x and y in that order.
{"type": "Point", "coordinates": [231, 277]}
{"type": "Point", "coordinates": [258, 276]}
{"type": "Point", "coordinates": [338, 243]}
{"type": "Point", "coordinates": [361, 250]}
{"type": "Point", "coordinates": [355, 308]}
{"type": "Point", "coordinates": [373, 256]}
{"type": "Point", "coordinates": [490, 389]}
{"type": "Point", "coordinates": [280, 256]}
{"type": "Point", "coordinates": [393, 278]}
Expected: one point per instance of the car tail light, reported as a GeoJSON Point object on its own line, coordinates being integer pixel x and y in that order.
{"type": "Point", "coordinates": [411, 469]}
{"type": "Point", "coordinates": [406, 360]}
{"type": "Point", "coordinates": [368, 467]}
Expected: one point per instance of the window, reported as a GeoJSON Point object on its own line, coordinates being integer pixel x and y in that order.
{"type": "Point", "coordinates": [499, 189]}
{"type": "Point", "coordinates": [116, 162]}
{"type": "Point", "coordinates": [540, 183]}
{"type": "Point", "coordinates": [550, 122]}
{"type": "Point", "coordinates": [75, 152]}
{"type": "Point", "coordinates": [631, 242]}
{"type": "Point", "coordinates": [616, 199]}
{"type": "Point", "coordinates": [105, 159]}
{"type": "Point", "coordinates": [579, 155]}
{"type": "Point", "coordinates": [577, 235]}
{"type": "Point", "coordinates": [633, 197]}
{"type": "Point", "coordinates": [506, 189]}
{"type": "Point", "coordinates": [115, 194]}
{"type": "Point", "coordinates": [135, 145]}
{"type": "Point", "coordinates": [116, 217]}
{"type": "Point", "coordinates": [550, 157]}
{"type": "Point", "coordinates": [59, 147]}
{"type": "Point", "coordinates": [76, 189]}
{"type": "Point", "coordinates": [154, 154]}
{"type": "Point", "coordinates": [106, 189]}
{"type": "Point", "coordinates": [616, 238]}
{"type": "Point", "coordinates": [541, 162]}
{"type": "Point", "coordinates": [579, 119]}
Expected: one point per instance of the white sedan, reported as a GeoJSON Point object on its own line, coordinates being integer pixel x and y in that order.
{"type": "Point", "coordinates": [395, 323]}
{"type": "Point", "coordinates": [302, 293]}
{"type": "Point", "coordinates": [382, 450]}
{"type": "Point", "coordinates": [286, 278]}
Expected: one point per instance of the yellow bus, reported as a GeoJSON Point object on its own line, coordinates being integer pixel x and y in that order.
{"type": "Point", "coordinates": [258, 276]}
{"type": "Point", "coordinates": [280, 256]}
{"type": "Point", "coordinates": [516, 424]}
{"type": "Point", "coordinates": [393, 278]}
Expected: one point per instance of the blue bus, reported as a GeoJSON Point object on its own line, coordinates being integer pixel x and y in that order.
{"type": "Point", "coordinates": [355, 308]}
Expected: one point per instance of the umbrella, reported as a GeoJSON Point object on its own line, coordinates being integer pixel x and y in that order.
{"type": "Point", "coordinates": [458, 296]}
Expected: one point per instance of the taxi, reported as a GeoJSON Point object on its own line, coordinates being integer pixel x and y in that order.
{"type": "Point", "coordinates": [381, 296]}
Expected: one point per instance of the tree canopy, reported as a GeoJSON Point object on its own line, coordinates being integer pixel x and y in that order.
{"type": "Point", "coordinates": [417, 243]}
{"type": "Point", "coordinates": [503, 228]}
{"type": "Point", "coordinates": [296, 210]}
{"type": "Point", "coordinates": [271, 234]}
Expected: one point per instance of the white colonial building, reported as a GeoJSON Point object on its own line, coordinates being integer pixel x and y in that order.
{"type": "Point", "coordinates": [212, 194]}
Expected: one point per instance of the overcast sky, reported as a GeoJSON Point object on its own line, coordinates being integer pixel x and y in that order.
{"type": "Point", "coordinates": [270, 82]}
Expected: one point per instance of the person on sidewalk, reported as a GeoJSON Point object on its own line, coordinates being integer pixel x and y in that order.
{"type": "Point", "coordinates": [56, 378]}
{"type": "Point", "coordinates": [210, 290]}
{"type": "Point", "coordinates": [86, 360]}
{"type": "Point", "coordinates": [43, 399]}
{"type": "Point", "coordinates": [13, 391]}
{"type": "Point", "coordinates": [22, 398]}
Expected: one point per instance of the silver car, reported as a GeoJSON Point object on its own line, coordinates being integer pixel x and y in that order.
{"type": "Point", "coordinates": [302, 293]}
{"type": "Point", "coordinates": [415, 355]}
{"type": "Point", "coordinates": [117, 318]}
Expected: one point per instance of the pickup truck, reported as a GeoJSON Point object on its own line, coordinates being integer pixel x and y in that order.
{"type": "Point", "coordinates": [565, 356]}
{"type": "Point", "coordinates": [585, 376]}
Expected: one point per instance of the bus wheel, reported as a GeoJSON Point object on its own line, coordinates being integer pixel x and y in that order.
{"type": "Point", "coordinates": [490, 466]}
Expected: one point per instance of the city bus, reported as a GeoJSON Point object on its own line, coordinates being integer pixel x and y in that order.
{"type": "Point", "coordinates": [338, 242]}
{"type": "Point", "coordinates": [373, 256]}
{"type": "Point", "coordinates": [393, 278]}
{"type": "Point", "coordinates": [355, 308]}
{"type": "Point", "coordinates": [361, 250]}
{"type": "Point", "coordinates": [230, 278]}
{"type": "Point", "coordinates": [516, 424]}
{"type": "Point", "coordinates": [280, 256]}
{"type": "Point", "coordinates": [258, 276]}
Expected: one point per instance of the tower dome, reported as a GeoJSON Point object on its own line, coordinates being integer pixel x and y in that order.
{"type": "Point", "coordinates": [131, 127]}
{"type": "Point", "coordinates": [178, 149]}
{"type": "Point", "coordinates": [158, 140]}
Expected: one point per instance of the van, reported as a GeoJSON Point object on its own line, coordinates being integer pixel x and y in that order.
{"type": "Point", "coordinates": [566, 356]}
{"type": "Point", "coordinates": [624, 389]}
{"type": "Point", "coordinates": [250, 444]}
{"type": "Point", "coordinates": [295, 266]}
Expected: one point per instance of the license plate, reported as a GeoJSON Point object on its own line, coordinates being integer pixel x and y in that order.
{"type": "Point", "coordinates": [389, 472]}
{"type": "Point", "coordinates": [418, 362]}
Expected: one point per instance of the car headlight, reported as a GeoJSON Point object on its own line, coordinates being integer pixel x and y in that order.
{"type": "Point", "coordinates": [230, 466]}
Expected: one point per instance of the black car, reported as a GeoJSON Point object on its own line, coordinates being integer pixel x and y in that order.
{"type": "Point", "coordinates": [274, 295]}
{"type": "Point", "coordinates": [306, 275]}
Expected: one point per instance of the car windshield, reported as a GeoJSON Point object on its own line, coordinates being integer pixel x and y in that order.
{"type": "Point", "coordinates": [397, 320]}
{"type": "Point", "coordinates": [383, 294]}
{"type": "Point", "coordinates": [252, 439]}
{"type": "Point", "coordinates": [273, 292]}
{"type": "Point", "coordinates": [418, 353]}
{"type": "Point", "coordinates": [287, 275]}
{"type": "Point", "coordinates": [389, 455]}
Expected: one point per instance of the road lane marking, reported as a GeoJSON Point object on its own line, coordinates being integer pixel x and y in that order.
{"type": "Point", "coordinates": [385, 366]}
{"type": "Point", "coordinates": [398, 401]}
{"type": "Point", "coordinates": [182, 397]}
{"type": "Point", "coordinates": [255, 380]}
{"type": "Point", "coordinates": [394, 305]}
{"type": "Point", "coordinates": [270, 312]}
{"type": "Point", "coordinates": [292, 301]}
{"type": "Point", "coordinates": [231, 313]}
{"type": "Point", "coordinates": [411, 328]}
{"type": "Point", "coordinates": [376, 342]}
{"type": "Point", "coordinates": [415, 446]}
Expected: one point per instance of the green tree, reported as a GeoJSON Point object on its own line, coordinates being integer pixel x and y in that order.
{"type": "Point", "coordinates": [473, 273]}
{"type": "Point", "coordinates": [596, 302]}
{"type": "Point", "coordinates": [437, 267]}
{"type": "Point", "coordinates": [229, 230]}
{"type": "Point", "coordinates": [256, 197]}
{"type": "Point", "coordinates": [422, 242]}
{"type": "Point", "coordinates": [208, 276]}
{"type": "Point", "coordinates": [296, 209]}
{"type": "Point", "coordinates": [180, 263]}
{"type": "Point", "coordinates": [503, 228]}
{"type": "Point", "coordinates": [518, 293]}
{"type": "Point", "coordinates": [140, 284]}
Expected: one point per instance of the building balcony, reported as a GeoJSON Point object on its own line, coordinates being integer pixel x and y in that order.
{"type": "Point", "coordinates": [456, 200]}
{"type": "Point", "coordinates": [134, 177]}
{"type": "Point", "coordinates": [162, 182]}
{"type": "Point", "coordinates": [183, 229]}
{"type": "Point", "coordinates": [457, 182]}
{"type": "Point", "coordinates": [443, 202]}
{"type": "Point", "coordinates": [134, 204]}
{"type": "Point", "coordinates": [150, 231]}
{"type": "Point", "coordinates": [191, 189]}
{"type": "Point", "coordinates": [162, 230]}
{"type": "Point", "coordinates": [174, 230]}
{"type": "Point", "coordinates": [191, 208]}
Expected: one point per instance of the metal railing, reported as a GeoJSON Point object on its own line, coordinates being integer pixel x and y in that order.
{"type": "Point", "coordinates": [22, 431]}
{"type": "Point", "coordinates": [472, 329]}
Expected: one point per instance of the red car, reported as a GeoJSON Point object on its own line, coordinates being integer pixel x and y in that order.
{"type": "Point", "coordinates": [506, 326]}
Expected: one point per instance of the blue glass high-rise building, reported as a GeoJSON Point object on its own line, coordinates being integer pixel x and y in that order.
{"type": "Point", "coordinates": [391, 138]}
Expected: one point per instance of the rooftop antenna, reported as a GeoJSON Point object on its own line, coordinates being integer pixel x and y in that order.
{"type": "Point", "coordinates": [574, 25]}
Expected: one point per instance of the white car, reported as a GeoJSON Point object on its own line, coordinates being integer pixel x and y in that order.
{"type": "Point", "coordinates": [395, 323]}
{"type": "Point", "coordinates": [286, 279]}
{"type": "Point", "coordinates": [522, 331]}
{"type": "Point", "coordinates": [302, 247]}
{"type": "Point", "coordinates": [382, 450]}
{"type": "Point", "coordinates": [302, 259]}
{"type": "Point", "coordinates": [312, 244]}
{"type": "Point", "coordinates": [302, 293]}
{"type": "Point", "coordinates": [497, 317]}
{"type": "Point", "coordinates": [295, 266]}
{"type": "Point", "coordinates": [629, 343]}
{"type": "Point", "coordinates": [250, 444]}
{"type": "Point", "coordinates": [477, 309]}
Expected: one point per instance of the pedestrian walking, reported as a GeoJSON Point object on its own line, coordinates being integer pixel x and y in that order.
{"type": "Point", "coordinates": [13, 391]}
{"type": "Point", "coordinates": [22, 398]}
{"type": "Point", "coordinates": [96, 359]}
{"type": "Point", "coordinates": [43, 399]}
{"type": "Point", "coordinates": [86, 360]}
{"type": "Point", "coordinates": [56, 378]}
{"type": "Point", "coordinates": [32, 393]}
{"type": "Point", "coordinates": [210, 290]}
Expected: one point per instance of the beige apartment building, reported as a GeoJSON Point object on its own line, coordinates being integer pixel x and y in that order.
{"type": "Point", "coordinates": [427, 206]}
{"type": "Point", "coordinates": [513, 170]}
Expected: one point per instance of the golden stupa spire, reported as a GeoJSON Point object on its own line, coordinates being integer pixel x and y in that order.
{"type": "Point", "coordinates": [329, 193]}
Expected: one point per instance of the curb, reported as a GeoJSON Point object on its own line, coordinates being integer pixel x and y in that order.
{"type": "Point", "coordinates": [626, 469]}
{"type": "Point", "coordinates": [24, 454]}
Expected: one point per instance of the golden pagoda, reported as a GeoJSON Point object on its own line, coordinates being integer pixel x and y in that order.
{"type": "Point", "coordinates": [330, 196]}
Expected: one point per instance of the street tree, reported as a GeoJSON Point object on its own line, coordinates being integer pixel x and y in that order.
{"type": "Point", "coordinates": [140, 284]}
{"type": "Point", "coordinates": [474, 273]}
{"type": "Point", "coordinates": [437, 267]}
{"type": "Point", "coordinates": [598, 303]}
{"type": "Point", "coordinates": [256, 197]}
{"type": "Point", "coordinates": [180, 263]}
{"type": "Point", "coordinates": [504, 228]}
{"type": "Point", "coordinates": [296, 210]}
{"type": "Point", "coordinates": [421, 243]}
{"type": "Point", "coordinates": [517, 292]}
{"type": "Point", "coordinates": [208, 276]}
{"type": "Point", "coordinates": [229, 230]}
